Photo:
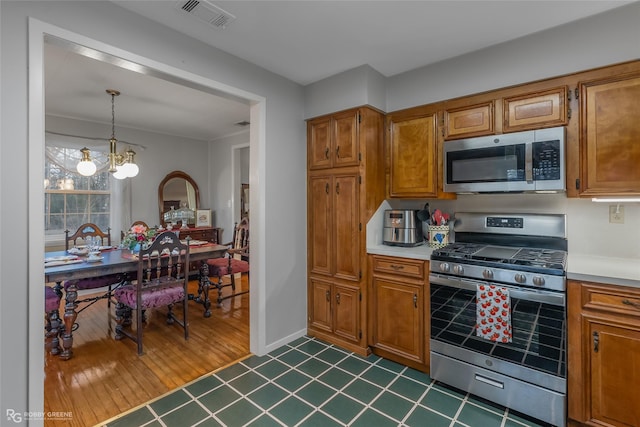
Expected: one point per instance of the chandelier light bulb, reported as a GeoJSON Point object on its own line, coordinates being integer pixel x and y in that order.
{"type": "Point", "coordinates": [132, 170]}
{"type": "Point", "coordinates": [86, 167]}
{"type": "Point", "coordinates": [120, 173]}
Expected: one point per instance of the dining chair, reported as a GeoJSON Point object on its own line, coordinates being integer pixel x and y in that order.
{"type": "Point", "coordinates": [84, 231]}
{"type": "Point", "coordinates": [162, 278]}
{"type": "Point", "coordinates": [109, 281]}
{"type": "Point", "coordinates": [235, 261]}
{"type": "Point", "coordinates": [53, 324]}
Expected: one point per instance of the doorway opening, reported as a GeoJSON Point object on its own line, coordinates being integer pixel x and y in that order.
{"type": "Point", "coordinates": [38, 33]}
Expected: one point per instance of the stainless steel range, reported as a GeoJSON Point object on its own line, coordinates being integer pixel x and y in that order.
{"type": "Point", "coordinates": [511, 351]}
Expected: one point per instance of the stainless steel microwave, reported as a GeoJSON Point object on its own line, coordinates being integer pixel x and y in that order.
{"type": "Point", "coordinates": [529, 161]}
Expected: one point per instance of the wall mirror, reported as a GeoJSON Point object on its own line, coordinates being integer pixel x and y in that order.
{"type": "Point", "coordinates": [176, 190]}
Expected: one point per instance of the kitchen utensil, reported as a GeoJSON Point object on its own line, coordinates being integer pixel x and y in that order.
{"type": "Point", "coordinates": [424, 214]}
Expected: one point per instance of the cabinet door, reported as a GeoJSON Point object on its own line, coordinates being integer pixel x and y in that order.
{"type": "Point", "coordinates": [413, 157]}
{"type": "Point", "coordinates": [319, 147]}
{"type": "Point", "coordinates": [320, 213]}
{"type": "Point", "coordinates": [398, 311]}
{"type": "Point", "coordinates": [534, 111]}
{"type": "Point", "coordinates": [345, 137]}
{"type": "Point", "coordinates": [615, 374]}
{"type": "Point", "coordinates": [320, 305]}
{"type": "Point", "coordinates": [347, 314]}
{"type": "Point", "coordinates": [610, 136]}
{"type": "Point", "coordinates": [464, 122]}
{"type": "Point", "coordinates": [346, 253]}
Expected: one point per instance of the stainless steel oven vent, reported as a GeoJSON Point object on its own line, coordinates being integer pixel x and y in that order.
{"type": "Point", "coordinates": [207, 12]}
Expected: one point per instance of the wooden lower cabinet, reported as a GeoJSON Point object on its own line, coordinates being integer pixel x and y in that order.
{"type": "Point", "coordinates": [604, 354]}
{"type": "Point", "coordinates": [334, 312]}
{"type": "Point", "coordinates": [399, 310]}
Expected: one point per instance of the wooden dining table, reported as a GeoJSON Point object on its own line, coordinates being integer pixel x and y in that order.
{"type": "Point", "coordinates": [114, 261]}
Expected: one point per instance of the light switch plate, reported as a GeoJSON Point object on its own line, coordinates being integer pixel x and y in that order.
{"type": "Point", "coordinates": [616, 214]}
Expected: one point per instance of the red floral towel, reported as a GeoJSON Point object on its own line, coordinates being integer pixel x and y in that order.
{"type": "Point", "coordinates": [493, 313]}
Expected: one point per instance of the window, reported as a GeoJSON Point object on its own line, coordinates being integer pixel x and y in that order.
{"type": "Point", "coordinates": [71, 199]}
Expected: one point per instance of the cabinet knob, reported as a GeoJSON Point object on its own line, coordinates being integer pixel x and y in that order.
{"type": "Point", "coordinates": [338, 298]}
{"type": "Point", "coordinates": [338, 151]}
{"type": "Point", "coordinates": [328, 295]}
{"type": "Point", "coordinates": [415, 300]}
{"type": "Point", "coordinates": [326, 153]}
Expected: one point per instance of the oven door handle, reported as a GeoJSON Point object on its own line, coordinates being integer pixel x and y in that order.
{"type": "Point", "coordinates": [536, 295]}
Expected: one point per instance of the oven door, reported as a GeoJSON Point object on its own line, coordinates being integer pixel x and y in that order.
{"type": "Point", "coordinates": [537, 353]}
{"type": "Point", "coordinates": [527, 375]}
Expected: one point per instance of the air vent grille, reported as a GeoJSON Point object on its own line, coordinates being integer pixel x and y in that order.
{"type": "Point", "coordinates": [207, 12]}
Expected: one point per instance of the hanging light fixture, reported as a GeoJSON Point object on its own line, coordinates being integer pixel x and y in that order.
{"type": "Point", "coordinates": [121, 165]}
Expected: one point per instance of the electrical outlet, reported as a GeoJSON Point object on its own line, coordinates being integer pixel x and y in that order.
{"type": "Point", "coordinates": [616, 214]}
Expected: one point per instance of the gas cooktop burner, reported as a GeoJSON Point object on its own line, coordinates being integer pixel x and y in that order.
{"type": "Point", "coordinates": [535, 259]}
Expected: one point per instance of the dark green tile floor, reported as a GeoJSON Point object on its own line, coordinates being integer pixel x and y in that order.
{"type": "Point", "coordinates": [310, 383]}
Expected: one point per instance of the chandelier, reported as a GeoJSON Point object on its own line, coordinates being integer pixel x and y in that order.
{"type": "Point", "coordinates": [121, 165]}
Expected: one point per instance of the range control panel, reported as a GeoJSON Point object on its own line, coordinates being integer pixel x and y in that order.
{"type": "Point", "coordinates": [501, 222]}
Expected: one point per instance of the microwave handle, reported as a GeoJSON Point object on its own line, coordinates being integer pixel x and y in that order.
{"type": "Point", "coordinates": [528, 162]}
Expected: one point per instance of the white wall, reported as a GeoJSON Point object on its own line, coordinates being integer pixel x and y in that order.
{"type": "Point", "coordinates": [604, 39]}
{"type": "Point", "coordinates": [279, 172]}
{"type": "Point", "coordinates": [359, 86]}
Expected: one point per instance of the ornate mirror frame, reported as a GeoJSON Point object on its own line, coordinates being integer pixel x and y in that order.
{"type": "Point", "coordinates": [170, 176]}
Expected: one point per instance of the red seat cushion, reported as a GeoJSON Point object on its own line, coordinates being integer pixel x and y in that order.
{"type": "Point", "coordinates": [51, 299]}
{"type": "Point", "coordinates": [157, 297]}
{"type": "Point", "coordinates": [220, 266]}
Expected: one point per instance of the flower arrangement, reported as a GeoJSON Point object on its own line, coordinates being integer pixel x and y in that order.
{"type": "Point", "coordinates": [138, 235]}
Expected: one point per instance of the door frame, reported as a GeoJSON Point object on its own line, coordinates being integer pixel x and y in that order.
{"type": "Point", "coordinates": [38, 30]}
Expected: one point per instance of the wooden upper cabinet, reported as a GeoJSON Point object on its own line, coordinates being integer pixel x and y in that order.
{"type": "Point", "coordinates": [535, 110]}
{"type": "Point", "coordinates": [319, 138]}
{"type": "Point", "coordinates": [610, 136]}
{"type": "Point", "coordinates": [333, 141]}
{"type": "Point", "coordinates": [345, 131]}
{"type": "Point", "coordinates": [464, 122]}
{"type": "Point", "coordinates": [413, 151]}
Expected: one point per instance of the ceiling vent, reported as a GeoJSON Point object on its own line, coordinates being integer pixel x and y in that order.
{"type": "Point", "coordinates": [207, 12]}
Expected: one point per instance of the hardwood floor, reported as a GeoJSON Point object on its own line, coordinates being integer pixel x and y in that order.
{"type": "Point", "coordinates": [106, 377]}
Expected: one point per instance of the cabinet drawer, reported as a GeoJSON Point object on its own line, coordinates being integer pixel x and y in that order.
{"type": "Point", "coordinates": [612, 299]}
{"type": "Point", "coordinates": [402, 266]}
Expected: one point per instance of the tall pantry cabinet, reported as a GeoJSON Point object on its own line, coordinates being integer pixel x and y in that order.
{"type": "Point", "coordinates": [345, 186]}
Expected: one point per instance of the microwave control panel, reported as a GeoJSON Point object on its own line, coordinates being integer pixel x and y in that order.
{"type": "Point", "coordinates": [546, 160]}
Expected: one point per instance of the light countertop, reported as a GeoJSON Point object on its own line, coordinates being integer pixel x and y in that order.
{"type": "Point", "coordinates": [599, 269]}
{"type": "Point", "coordinates": [417, 252]}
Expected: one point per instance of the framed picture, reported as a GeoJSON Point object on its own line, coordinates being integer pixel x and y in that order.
{"type": "Point", "coordinates": [203, 217]}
